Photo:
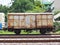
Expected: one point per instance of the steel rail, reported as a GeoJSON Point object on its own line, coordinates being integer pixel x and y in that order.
{"type": "Point", "coordinates": [29, 36]}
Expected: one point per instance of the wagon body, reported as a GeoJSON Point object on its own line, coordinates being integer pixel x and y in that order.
{"type": "Point", "coordinates": [2, 20]}
{"type": "Point", "coordinates": [30, 20]}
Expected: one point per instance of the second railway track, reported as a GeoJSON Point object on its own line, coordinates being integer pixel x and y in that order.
{"type": "Point", "coordinates": [29, 38]}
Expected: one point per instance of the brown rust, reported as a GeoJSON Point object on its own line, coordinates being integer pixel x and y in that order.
{"type": "Point", "coordinates": [41, 20]}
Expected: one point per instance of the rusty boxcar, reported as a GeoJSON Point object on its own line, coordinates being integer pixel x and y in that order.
{"type": "Point", "coordinates": [30, 21]}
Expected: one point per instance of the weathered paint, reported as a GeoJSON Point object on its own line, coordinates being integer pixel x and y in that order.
{"type": "Point", "coordinates": [30, 20]}
{"type": "Point", "coordinates": [2, 20]}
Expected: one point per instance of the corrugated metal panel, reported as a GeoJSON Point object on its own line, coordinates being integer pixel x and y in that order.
{"type": "Point", "coordinates": [16, 21]}
{"type": "Point", "coordinates": [10, 23]}
{"type": "Point", "coordinates": [10, 17]}
{"type": "Point", "coordinates": [44, 22]}
{"type": "Point", "coordinates": [50, 16]}
{"type": "Point", "coordinates": [39, 17]}
{"type": "Point", "coordinates": [50, 22]}
{"type": "Point", "coordinates": [29, 20]}
{"type": "Point", "coordinates": [39, 23]}
{"type": "Point", "coordinates": [44, 17]}
{"type": "Point", "coordinates": [32, 21]}
{"type": "Point", "coordinates": [21, 21]}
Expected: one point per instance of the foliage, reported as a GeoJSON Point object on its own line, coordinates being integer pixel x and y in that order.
{"type": "Point", "coordinates": [57, 25]}
{"type": "Point", "coordinates": [36, 10]}
{"type": "Point", "coordinates": [56, 12]}
{"type": "Point", "coordinates": [57, 19]}
{"type": "Point", "coordinates": [38, 7]}
{"type": "Point", "coordinates": [22, 32]}
{"type": "Point", "coordinates": [26, 6]}
{"type": "Point", "coordinates": [3, 9]}
{"type": "Point", "coordinates": [21, 6]}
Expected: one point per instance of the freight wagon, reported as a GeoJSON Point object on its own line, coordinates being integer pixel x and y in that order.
{"type": "Point", "coordinates": [30, 21]}
{"type": "Point", "coordinates": [2, 21]}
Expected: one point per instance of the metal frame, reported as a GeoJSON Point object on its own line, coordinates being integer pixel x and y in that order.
{"type": "Point", "coordinates": [18, 14]}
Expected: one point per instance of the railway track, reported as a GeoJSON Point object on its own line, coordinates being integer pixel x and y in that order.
{"type": "Point", "coordinates": [29, 38]}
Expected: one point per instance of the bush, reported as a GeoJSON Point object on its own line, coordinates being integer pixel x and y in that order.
{"type": "Point", "coordinates": [57, 25]}
{"type": "Point", "coordinates": [36, 10]}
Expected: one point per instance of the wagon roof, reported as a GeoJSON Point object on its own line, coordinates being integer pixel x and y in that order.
{"type": "Point", "coordinates": [28, 13]}
{"type": "Point", "coordinates": [1, 13]}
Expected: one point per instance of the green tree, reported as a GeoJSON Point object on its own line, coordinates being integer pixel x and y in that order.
{"type": "Point", "coordinates": [21, 6]}
{"type": "Point", "coordinates": [38, 7]}
{"type": "Point", "coordinates": [3, 9]}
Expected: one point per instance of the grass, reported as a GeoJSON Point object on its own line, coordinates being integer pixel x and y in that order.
{"type": "Point", "coordinates": [6, 32]}
{"type": "Point", "coordinates": [33, 32]}
{"type": "Point", "coordinates": [57, 32]}
{"type": "Point", "coordinates": [22, 32]}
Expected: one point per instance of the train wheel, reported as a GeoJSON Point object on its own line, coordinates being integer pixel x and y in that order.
{"type": "Point", "coordinates": [17, 32]}
{"type": "Point", "coordinates": [42, 31]}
